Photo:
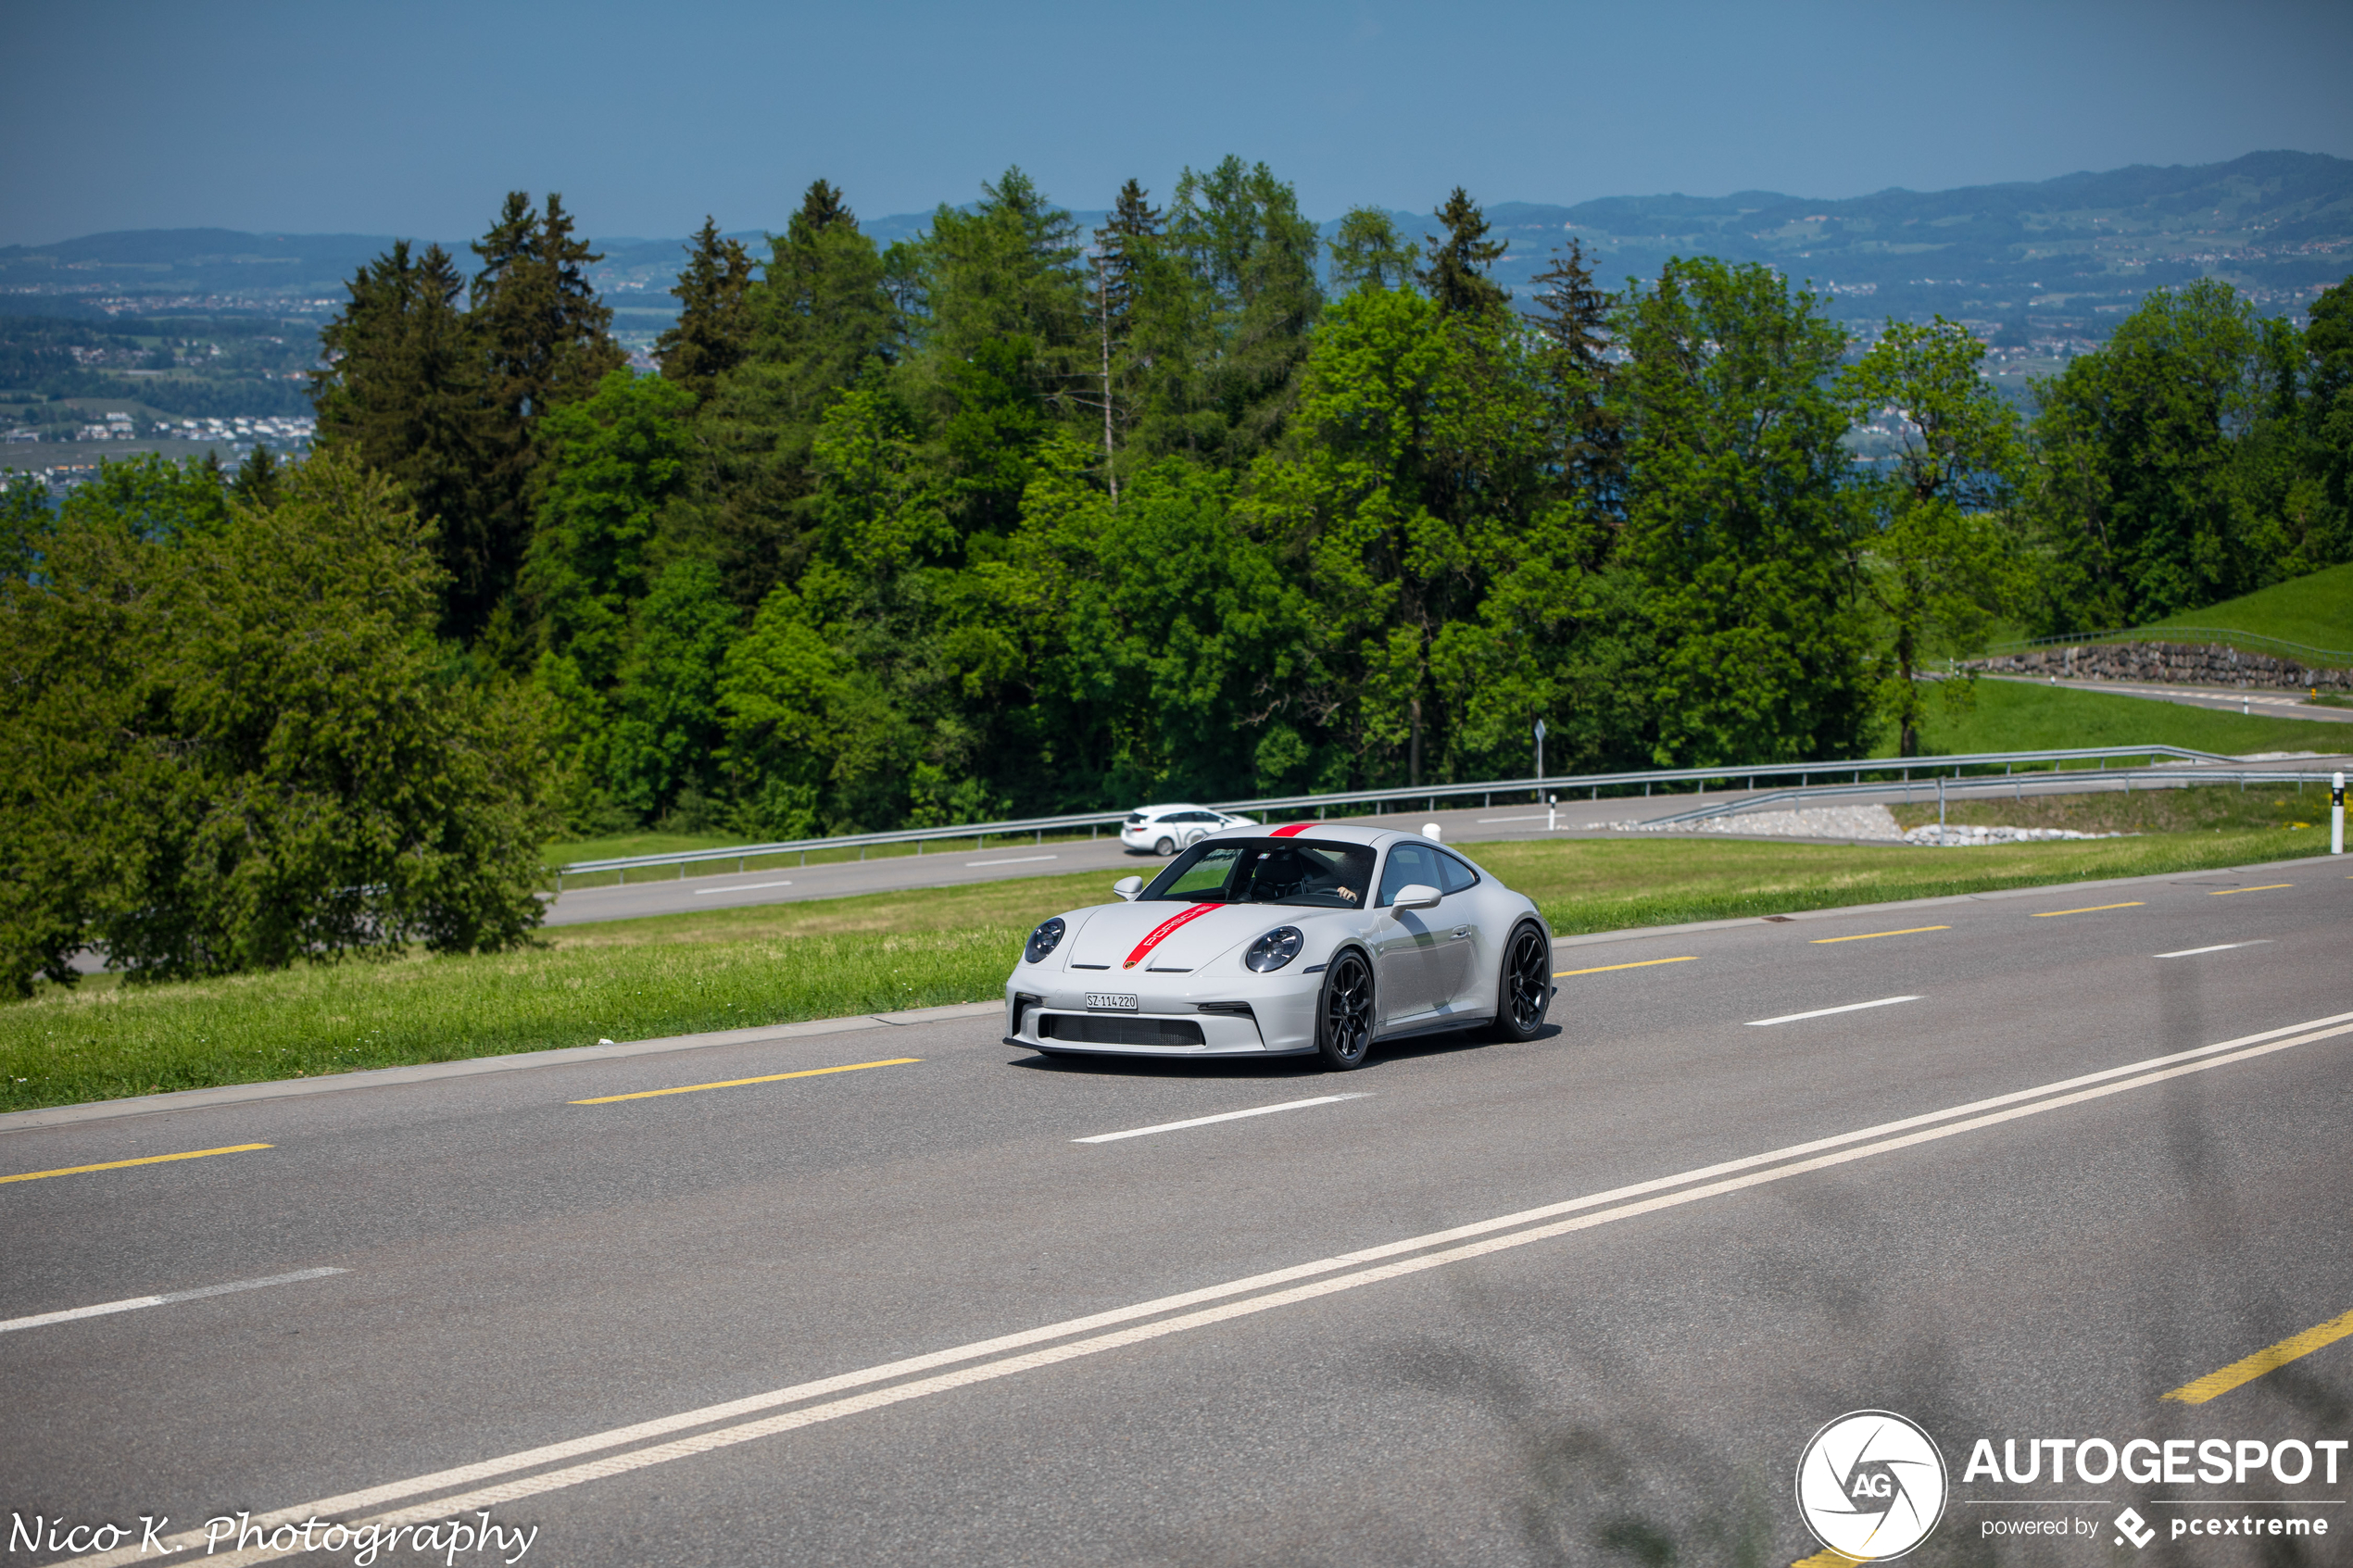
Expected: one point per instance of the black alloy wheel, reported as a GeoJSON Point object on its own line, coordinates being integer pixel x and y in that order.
{"type": "Point", "coordinates": [1344, 1016]}
{"type": "Point", "coordinates": [1526, 985]}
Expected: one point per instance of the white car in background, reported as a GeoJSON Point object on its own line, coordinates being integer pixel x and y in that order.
{"type": "Point", "coordinates": [1312, 938]}
{"type": "Point", "coordinates": [1163, 830]}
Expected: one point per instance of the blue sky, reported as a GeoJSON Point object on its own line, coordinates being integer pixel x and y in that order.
{"type": "Point", "coordinates": [413, 117]}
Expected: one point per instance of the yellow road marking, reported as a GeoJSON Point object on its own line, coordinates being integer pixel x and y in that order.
{"type": "Point", "coordinates": [119, 1164]}
{"type": "Point", "coordinates": [2226, 892]}
{"type": "Point", "coordinates": [1865, 936]}
{"type": "Point", "coordinates": [739, 1082]}
{"type": "Point", "coordinates": [2089, 909]}
{"type": "Point", "coordinates": [1645, 963]}
{"type": "Point", "coordinates": [2255, 1366]}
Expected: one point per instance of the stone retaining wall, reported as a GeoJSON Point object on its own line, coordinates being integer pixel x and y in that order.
{"type": "Point", "coordinates": [2213, 665]}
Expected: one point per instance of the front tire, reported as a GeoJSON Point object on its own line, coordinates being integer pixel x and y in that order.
{"type": "Point", "coordinates": [1525, 988]}
{"type": "Point", "coordinates": [1344, 1012]}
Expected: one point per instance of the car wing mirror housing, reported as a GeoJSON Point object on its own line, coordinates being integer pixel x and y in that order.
{"type": "Point", "coordinates": [1416, 896]}
{"type": "Point", "coordinates": [1128, 886]}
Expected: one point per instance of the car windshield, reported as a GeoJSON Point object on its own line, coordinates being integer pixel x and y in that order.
{"type": "Point", "coordinates": [1266, 871]}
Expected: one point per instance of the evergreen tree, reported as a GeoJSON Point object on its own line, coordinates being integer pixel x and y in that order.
{"type": "Point", "coordinates": [1572, 317]}
{"type": "Point", "coordinates": [1125, 249]}
{"type": "Point", "coordinates": [403, 388]}
{"type": "Point", "coordinates": [1224, 324]}
{"type": "Point", "coordinates": [1368, 252]}
{"type": "Point", "coordinates": [1125, 244]}
{"type": "Point", "coordinates": [821, 319]}
{"type": "Point", "coordinates": [713, 326]}
{"type": "Point", "coordinates": [1456, 276]}
{"type": "Point", "coordinates": [545, 340]}
{"type": "Point", "coordinates": [257, 481]}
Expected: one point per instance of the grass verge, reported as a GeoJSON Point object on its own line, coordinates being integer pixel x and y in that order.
{"type": "Point", "coordinates": [2019, 716]}
{"type": "Point", "coordinates": [733, 968]}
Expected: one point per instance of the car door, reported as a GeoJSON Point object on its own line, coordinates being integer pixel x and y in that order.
{"type": "Point", "coordinates": [1464, 956]}
{"type": "Point", "coordinates": [1406, 944]}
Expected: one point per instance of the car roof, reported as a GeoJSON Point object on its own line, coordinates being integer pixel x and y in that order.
{"type": "Point", "coordinates": [1344, 832]}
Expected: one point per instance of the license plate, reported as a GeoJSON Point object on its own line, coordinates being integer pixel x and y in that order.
{"type": "Point", "coordinates": [1111, 1001]}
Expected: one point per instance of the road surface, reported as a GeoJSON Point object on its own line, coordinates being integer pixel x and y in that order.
{"type": "Point", "coordinates": [1578, 1300]}
{"type": "Point", "coordinates": [664, 892]}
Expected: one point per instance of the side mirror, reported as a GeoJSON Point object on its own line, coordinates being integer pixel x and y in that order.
{"type": "Point", "coordinates": [1416, 896]}
{"type": "Point", "coordinates": [1128, 886]}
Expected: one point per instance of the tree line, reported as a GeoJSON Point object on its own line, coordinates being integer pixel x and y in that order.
{"type": "Point", "coordinates": [1015, 518]}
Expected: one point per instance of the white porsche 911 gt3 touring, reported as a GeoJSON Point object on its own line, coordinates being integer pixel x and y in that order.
{"type": "Point", "coordinates": [1305, 938]}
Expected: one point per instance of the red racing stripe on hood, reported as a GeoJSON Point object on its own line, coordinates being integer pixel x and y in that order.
{"type": "Point", "coordinates": [1166, 929]}
{"type": "Point", "coordinates": [1291, 832]}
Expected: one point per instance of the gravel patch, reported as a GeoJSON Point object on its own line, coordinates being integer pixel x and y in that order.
{"type": "Point", "coordinates": [1874, 824]}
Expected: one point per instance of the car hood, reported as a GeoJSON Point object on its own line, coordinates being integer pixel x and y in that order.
{"type": "Point", "coordinates": [1133, 938]}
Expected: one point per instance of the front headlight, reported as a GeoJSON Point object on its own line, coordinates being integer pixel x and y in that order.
{"type": "Point", "coordinates": [1044, 940]}
{"type": "Point", "coordinates": [1274, 949]}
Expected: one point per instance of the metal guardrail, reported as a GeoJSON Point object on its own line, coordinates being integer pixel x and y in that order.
{"type": "Point", "coordinates": [1038, 827]}
{"type": "Point", "coordinates": [1987, 782]}
{"type": "Point", "coordinates": [2166, 634]}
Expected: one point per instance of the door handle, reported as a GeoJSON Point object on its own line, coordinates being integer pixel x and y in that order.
{"type": "Point", "coordinates": [1462, 931]}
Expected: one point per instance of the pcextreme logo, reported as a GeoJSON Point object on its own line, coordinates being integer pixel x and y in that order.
{"type": "Point", "coordinates": [1872, 1486]}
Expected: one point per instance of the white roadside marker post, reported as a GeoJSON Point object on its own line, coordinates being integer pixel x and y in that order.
{"type": "Point", "coordinates": [1553, 813]}
{"type": "Point", "coordinates": [2336, 815]}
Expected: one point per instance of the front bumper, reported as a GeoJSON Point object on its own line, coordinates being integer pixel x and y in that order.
{"type": "Point", "coordinates": [1264, 1017]}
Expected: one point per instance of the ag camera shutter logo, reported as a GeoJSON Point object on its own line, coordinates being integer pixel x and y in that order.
{"type": "Point", "coordinates": [1872, 1486]}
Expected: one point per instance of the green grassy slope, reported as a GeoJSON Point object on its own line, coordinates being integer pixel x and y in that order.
{"type": "Point", "coordinates": [2017, 716]}
{"type": "Point", "coordinates": [2316, 610]}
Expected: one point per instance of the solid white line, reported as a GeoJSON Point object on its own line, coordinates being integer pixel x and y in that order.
{"type": "Point", "coordinates": [1825, 1012]}
{"type": "Point", "coordinates": [132, 1303]}
{"type": "Point", "coordinates": [2197, 1060]}
{"type": "Point", "coordinates": [739, 887]}
{"type": "Point", "coordinates": [1016, 860]}
{"type": "Point", "coordinates": [1226, 1116]}
{"type": "Point", "coordinates": [2218, 948]}
{"type": "Point", "coordinates": [1484, 821]}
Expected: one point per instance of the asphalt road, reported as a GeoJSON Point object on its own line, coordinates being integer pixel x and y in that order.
{"type": "Point", "coordinates": [2271, 703]}
{"type": "Point", "coordinates": [665, 893]}
{"type": "Point", "coordinates": [898, 1315]}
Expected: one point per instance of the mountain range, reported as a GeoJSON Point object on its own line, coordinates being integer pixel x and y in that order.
{"type": "Point", "coordinates": [2061, 258]}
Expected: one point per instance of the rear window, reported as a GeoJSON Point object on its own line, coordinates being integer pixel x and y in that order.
{"type": "Point", "coordinates": [1267, 870]}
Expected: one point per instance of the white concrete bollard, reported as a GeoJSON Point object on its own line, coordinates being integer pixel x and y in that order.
{"type": "Point", "coordinates": [1429, 829]}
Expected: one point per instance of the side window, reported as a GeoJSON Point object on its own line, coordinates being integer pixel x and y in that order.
{"type": "Point", "coordinates": [1408, 864]}
{"type": "Point", "coordinates": [1459, 877]}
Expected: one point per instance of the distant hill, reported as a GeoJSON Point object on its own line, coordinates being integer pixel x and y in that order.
{"type": "Point", "coordinates": [2057, 258]}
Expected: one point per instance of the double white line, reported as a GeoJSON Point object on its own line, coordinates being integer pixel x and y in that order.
{"type": "Point", "coordinates": [457, 1491]}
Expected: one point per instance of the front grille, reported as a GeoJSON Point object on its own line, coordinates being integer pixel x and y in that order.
{"type": "Point", "coordinates": [1100, 1031]}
